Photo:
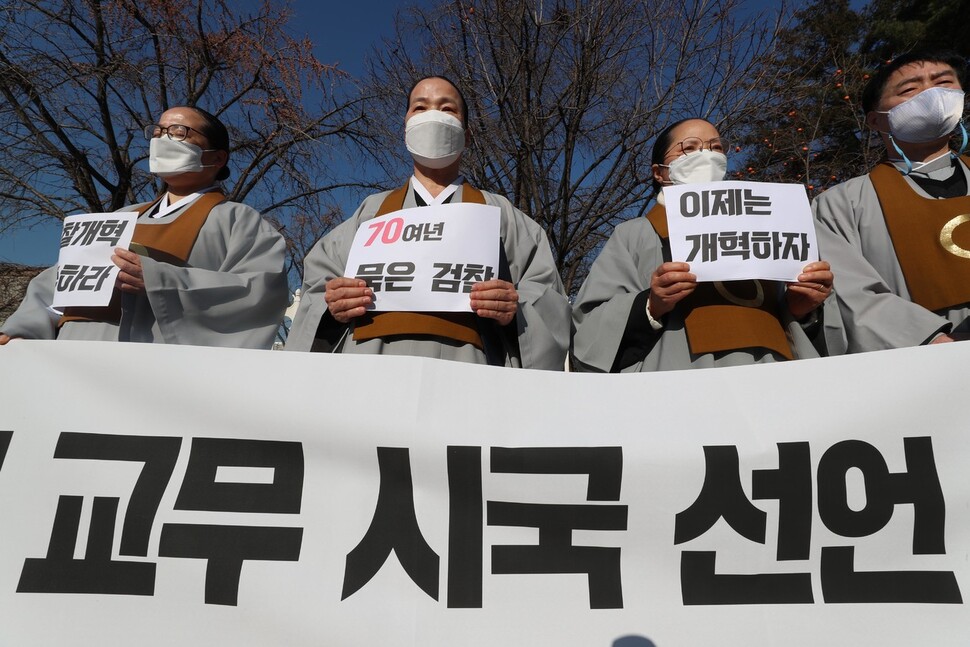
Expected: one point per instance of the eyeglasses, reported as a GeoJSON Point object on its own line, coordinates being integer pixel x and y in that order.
{"type": "Point", "coordinates": [178, 132]}
{"type": "Point", "coordinates": [694, 144]}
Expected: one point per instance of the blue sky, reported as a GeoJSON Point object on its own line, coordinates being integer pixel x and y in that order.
{"type": "Point", "coordinates": [343, 33]}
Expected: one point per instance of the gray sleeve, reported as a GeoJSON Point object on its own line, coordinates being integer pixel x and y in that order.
{"type": "Point", "coordinates": [602, 307]}
{"type": "Point", "coordinates": [234, 291]}
{"type": "Point", "coordinates": [326, 260]}
{"type": "Point", "coordinates": [542, 320]}
{"type": "Point", "coordinates": [873, 302]}
{"type": "Point", "coordinates": [32, 319]}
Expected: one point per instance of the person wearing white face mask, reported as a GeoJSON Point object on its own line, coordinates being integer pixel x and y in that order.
{"type": "Point", "coordinates": [640, 311]}
{"type": "Point", "coordinates": [201, 270]}
{"type": "Point", "coordinates": [519, 319]}
{"type": "Point", "coordinates": [899, 237]}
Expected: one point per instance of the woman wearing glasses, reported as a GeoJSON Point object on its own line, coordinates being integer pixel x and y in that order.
{"type": "Point", "coordinates": [200, 270]}
{"type": "Point", "coordinates": [639, 310]}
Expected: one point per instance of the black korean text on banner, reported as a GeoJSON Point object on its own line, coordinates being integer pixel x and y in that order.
{"type": "Point", "coordinates": [5, 437]}
{"type": "Point", "coordinates": [723, 497]}
{"type": "Point", "coordinates": [555, 553]}
{"type": "Point", "coordinates": [465, 526]}
{"type": "Point", "coordinates": [395, 527]}
{"type": "Point", "coordinates": [919, 486]}
{"type": "Point", "coordinates": [59, 572]}
{"type": "Point", "coordinates": [224, 546]}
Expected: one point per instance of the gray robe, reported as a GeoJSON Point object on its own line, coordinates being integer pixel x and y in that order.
{"type": "Point", "coordinates": [618, 283]}
{"type": "Point", "coordinates": [541, 324]}
{"type": "Point", "coordinates": [232, 293]}
{"type": "Point", "coordinates": [873, 301]}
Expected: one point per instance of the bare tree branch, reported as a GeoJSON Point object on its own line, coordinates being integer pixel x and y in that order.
{"type": "Point", "coordinates": [80, 78]}
{"type": "Point", "coordinates": [567, 96]}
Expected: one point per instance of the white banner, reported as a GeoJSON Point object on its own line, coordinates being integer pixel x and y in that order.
{"type": "Point", "coordinates": [427, 259]}
{"type": "Point", "coordinates": [85, 272]}
{"type": "Point", "coordinates": [154, 495]}
{"type": "Point", "coordinates": [741, 230]}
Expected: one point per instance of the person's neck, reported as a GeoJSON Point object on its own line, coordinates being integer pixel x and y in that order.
{"type": "Point", "coordinates": [177, 193]}
{"type": "Point", "coordinates": [919, 152]}
{"type": "Point", "coordinates": [436, 180]}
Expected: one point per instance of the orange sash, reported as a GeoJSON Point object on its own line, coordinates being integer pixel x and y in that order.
{"type": "Point", "coordinates": [931, 238]}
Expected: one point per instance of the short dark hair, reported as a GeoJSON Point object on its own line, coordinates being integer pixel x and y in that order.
{"type": "Point", "coordinates": [663, 143]}
{"type": "Point", "coordinates": [464, 104]}
{"type": "Point", "coordinates": [872, 93]}
{"type": "Point", "coordinates": [217, 134]}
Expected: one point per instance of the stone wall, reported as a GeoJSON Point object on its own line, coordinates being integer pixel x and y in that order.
{"type": "Point", "coordinates": [13, 284]}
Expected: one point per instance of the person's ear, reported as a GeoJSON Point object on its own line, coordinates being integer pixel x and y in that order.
{"type": "Point", "coordinates": [877, 121]}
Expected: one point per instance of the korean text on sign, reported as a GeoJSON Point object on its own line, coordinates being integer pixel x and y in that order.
{"type": "Point", "coordinates": [427, 258]}
{"type": "Point", "coordinates": [85, 272]}
{"type": "Point", "coordinates": [741, 230]}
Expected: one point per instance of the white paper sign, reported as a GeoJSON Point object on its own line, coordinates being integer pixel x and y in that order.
{"type": "Point", "coordinates": [85, 273]}
{"type": "Point", "coordinates": [427, 259]}
{"type": "Point", "coordinates": [741, 230]}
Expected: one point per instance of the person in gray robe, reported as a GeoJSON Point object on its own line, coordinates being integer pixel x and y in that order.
{"type": "Point", "coordinates": [225, 285]}
{"type": "Point", "coordinates": [629, 315]}
{"type": "Point", "coordinates": [875, 301]}
{"type": "Point", "coordinates": [521, 318]}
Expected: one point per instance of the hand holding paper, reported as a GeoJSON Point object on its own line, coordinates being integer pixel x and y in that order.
{"type": "Point", "coordinates": [347, 298]}
{"type": "Point", "coordinates": [495, 299]}
{"type": "Point", "coordinates": [131, 277]}
{"type": "Point", "coordinates": [813, 287]}
{"type": "Point", "coordinates": [669, 284]}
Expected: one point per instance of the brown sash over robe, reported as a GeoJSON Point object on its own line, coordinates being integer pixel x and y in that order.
{"type": "Point", "coordinates": [460, 326]}
{"type": "Point", "coordinates": [931, 238]}
{"type": "Point", "coordinates": [716, 323]}
{"type": "Point", "coordinates": [169, 242]}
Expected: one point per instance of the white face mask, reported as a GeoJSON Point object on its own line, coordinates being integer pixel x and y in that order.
{"type": "Point", "coordinates": [435, 139]}
{"type": "Point", "coordinates": [167, 157]}
{"type": "Point", "coordinates": [930, 115]}
{"type": "Point", "coordinates": [698, 167]}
